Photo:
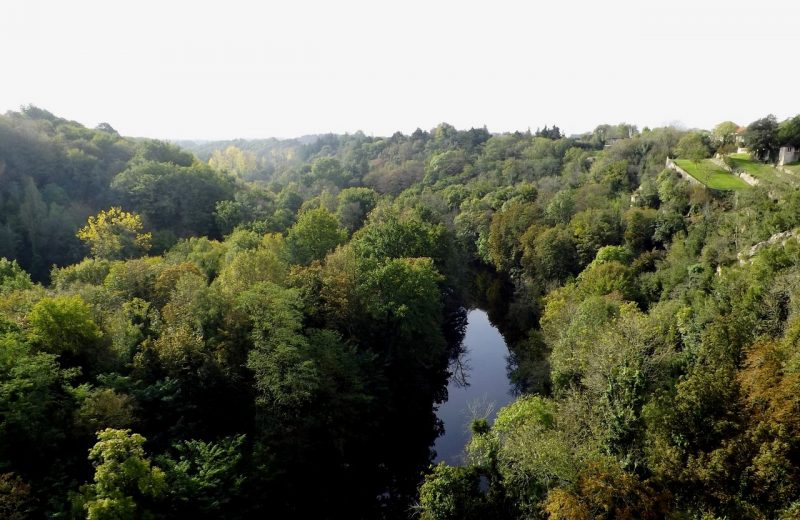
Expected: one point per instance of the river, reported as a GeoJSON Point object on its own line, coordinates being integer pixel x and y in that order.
{"type": "Point", "coordinates": [479, 384]}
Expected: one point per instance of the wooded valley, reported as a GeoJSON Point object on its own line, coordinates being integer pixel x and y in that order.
{"type": "Point", "coordinates": [263, 328]}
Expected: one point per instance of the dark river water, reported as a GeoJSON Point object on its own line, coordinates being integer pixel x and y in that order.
{"type": "Point", "coordinates": [478, 387]}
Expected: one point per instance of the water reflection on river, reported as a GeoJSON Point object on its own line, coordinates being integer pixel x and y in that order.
{"type": "Point", "coordinates": [479, 384]}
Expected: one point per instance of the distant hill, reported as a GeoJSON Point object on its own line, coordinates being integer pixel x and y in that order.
{"type": "Point", "coordinates": [266, 147]}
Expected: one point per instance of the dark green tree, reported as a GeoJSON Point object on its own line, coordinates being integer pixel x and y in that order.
{"type": "Point", "coordinates": [762, 137]}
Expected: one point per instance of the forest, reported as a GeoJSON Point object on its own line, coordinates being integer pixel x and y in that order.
{"type": "Point", "coordinates": [265, 328]}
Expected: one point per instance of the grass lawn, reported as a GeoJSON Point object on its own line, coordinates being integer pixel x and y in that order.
{"type": "Point", "coordinates": [794, 168]}
{"type": "Point", "coordinates": [712, 175]}
{"type": "Point", "coordinates": [761, 171]}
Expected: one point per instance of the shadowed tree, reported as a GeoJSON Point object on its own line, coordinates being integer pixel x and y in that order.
{"type": "Point", "coordinates": [762, 137]}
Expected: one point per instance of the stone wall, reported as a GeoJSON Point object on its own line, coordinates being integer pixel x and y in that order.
{"type": "Point", "coordinates": [683, 173]}
{"type": "Point", "coordinates": [746, 177]}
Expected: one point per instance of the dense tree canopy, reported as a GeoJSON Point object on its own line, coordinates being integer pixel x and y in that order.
{"type": "Point", "coordinates": [283, 350]}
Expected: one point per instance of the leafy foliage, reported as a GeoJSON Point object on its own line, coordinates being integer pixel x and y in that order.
{"type": "Point", "coordinates": [124, 477]}
{"type": "Point", "coordinates": [115, 234]}
{"type": "Point", "coordinates": [285, 347]}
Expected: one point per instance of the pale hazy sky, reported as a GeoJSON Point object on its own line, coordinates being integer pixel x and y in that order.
{"type": "Point", "coordinates": [224, 69]}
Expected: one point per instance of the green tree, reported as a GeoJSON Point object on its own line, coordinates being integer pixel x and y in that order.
{"type": "Point", "coordinates": [206, 478]}
{"type": "Point", "coordinates": [329, 169]}
{"type": "Point", "coordinates": [762, 137]}
{"type": "Point", "coordinates": [550, 254]}
{"type": "Point", "coordinates": [35, 407]}
{"type": "Point", "coordinates": [125, 481]}
{"type": "Point", "coordinates": [639, 228]}
{"type": "Point", "coordinates": [174, 197]}
{"type": "Point", "coordinates": [451, 493]}
{"type": "Point", "coordinates": [163, 152]}
{"type": "Point", "coordinates": [228, 215]}
{"type": "Point", "coordinates": [391, 234]}
{"type": "Point", "coordinates": [606, 278]}
{"type": "Point", "coordinates": [724, 134]}
{"type": "Point", "coordinates": [13, 277]}
{"type": "Point", "coordinates": [570, 324]}
{"type": "Point", "coordinates": [235, 161]}
{"type": "Point", "coordinates": [693, 147]}
{"type": "Point", "coordinates": [135, 278]}
{"type": "Point", "coordinates": [789, 132]}
{"type": "Point", "coordinates": [445, 164]}
{"type": "Point", "coordinates": [613, 174]}
{"type": "Point", "coordinates": [353, 206]}
{"type": "Point", "coordinates": [506, 230]}
{"type": "Point", "coordinates": [249, 267]}
{"type": "Point", "coordinates": [104, 408]}
{"type": "Point", "coordinates": [561, 207]}
{"type": "Point", "coordinates": [64, 325]}
{"type": "Point", "coordinates": [316, 233]}
{"type": "Point", "coordinates": [285, 378]}
{"type": "Point", "coordinates": [526, 454]}
{"type": "Point", "coordinates": [403, 295]}
{"type": "Point", "coordinates": [593, 229]}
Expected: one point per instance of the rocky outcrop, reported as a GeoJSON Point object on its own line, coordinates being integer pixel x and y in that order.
{"type": "Point", "coordinates": [777, 238]}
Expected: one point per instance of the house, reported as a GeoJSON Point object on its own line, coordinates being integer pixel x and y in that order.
{"type": "Point", "coordinates": [738, 139]}
{"type": "Point", "coordinates": [738, 135]}
{"type": "Point", "coordinates": [788, 154]}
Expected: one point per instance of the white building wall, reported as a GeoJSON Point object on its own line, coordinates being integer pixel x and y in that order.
{"type": "Point", "coordinates": [787, 155]}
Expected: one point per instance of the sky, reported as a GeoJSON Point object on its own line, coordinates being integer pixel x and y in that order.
{"type": "Point", "coordinates": [175, 69]}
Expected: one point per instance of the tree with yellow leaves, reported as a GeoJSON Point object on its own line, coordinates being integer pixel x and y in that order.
{"type": "Point", "coordinates": [115, 234]}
